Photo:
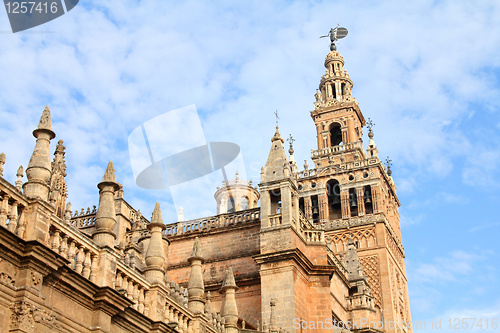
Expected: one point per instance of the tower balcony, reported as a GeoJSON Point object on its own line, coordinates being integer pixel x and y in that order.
{"type": "Point", "coordinates": [336, 149]}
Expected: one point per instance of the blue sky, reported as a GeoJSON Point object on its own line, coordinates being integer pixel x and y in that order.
{"type": "Point", "coordinates": [426, 72]}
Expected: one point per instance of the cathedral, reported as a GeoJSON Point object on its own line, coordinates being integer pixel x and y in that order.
{"type": "Point", "coordinates": [311, 250]}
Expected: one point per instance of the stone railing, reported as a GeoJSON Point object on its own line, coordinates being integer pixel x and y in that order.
{"type": "Point", "coordinates": [336, 149]}
{"type": "Point", "coordinates": [218, 221]}
{"type": "Point", "coordinates": [11, 213]}
{"type": "Point", "coordinates": [359, 301]}
{"type": "Point", "coordinates": [335, 261]}
{"type": "Point", "coordinates": [304, 222]}
{"type": "Point", "coordinates": [83, 221]}
{"type": "Point", "coordinates": [310, 233]}
{"type": "Point", "coordinates": [71, 244]}
{"type": "Point", "coordinates": [314, 236]}
{"type": "Point", "coordinates": [275, 220]}
{"type": "Point", "coordinates": [134, 286]}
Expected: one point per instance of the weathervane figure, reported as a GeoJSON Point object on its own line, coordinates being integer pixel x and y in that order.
{"type": "Point", "coordinates": [277, 118]}
{"type": "Point", "coordinates": [335, 34]}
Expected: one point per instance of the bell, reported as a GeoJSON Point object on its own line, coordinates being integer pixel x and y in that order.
{"type": "Point", "coordinates": [368, 197]}
{"type": "Point", "coordinates": [353, 201]}
{"type": "Point", "coordinates": [336, 200]}
{"type": "Point", "coordinates": [315, 210]}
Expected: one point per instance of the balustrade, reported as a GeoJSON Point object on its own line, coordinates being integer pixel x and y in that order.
{"type": "Point", "coordinates": [275, 220]}
{"type": "Point", "coordinates": [218, 221]}
{"type": "Point", "coordinates": [77, 248]}
{"type": "Point", "coordinates": [11, 214]}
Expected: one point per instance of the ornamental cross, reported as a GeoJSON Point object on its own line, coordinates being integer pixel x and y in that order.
{"type": "Point", "coordinates": [370, 124]}
{"type": "Point", "coordinates": [290, 140]}
{"type": "Point", "coordinates": [277, 118]}
{"type": "Point", "coordinates": [388, 162]}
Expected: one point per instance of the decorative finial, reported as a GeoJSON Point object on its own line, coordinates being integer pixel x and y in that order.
{"type": "Point", "coordinates": [290, 141]}
{"type": "Point", "coordinates": [180, 214]}
{"type": "Point", "coordinates": [2, 162]}
{"type": "Point", "coordinates": [45, 120]}
{"type": "Point", "coordinates": [19, 180]}
{"type": "Point", "coordinates": [277, 136]}
{"type": "Point", "coordinates": [229, 279]}
{"type": "Point", "coordinates": [306, 166]}
{"type": "Point", "coordinates": [60, 148]}
{"type": "Point", "coordinates": [196, 248]}
{"type": "Point", "coordinates": [369, 125]}
{"type": "Point", "coordinates": [237, 179]}
{"type": "Point", "coordinates": [67, 212]}
{"type": "Point", "coordinates": [109, 175]}
{"type": "Point", "coordinates": [277, 117]}
{"type": "Point", "coordinates": [156, 217]}
{"type": "Point", "coordinates": [317, 96]}
{"type": "Point", "coordinates": [388, 162]}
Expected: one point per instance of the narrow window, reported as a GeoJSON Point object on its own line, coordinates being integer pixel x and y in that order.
{"type": "Point", "coordinates": [334, 202]}
{"type": "Point", "coordinates": [335, 134]}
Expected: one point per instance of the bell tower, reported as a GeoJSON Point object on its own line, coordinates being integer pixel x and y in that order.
{"type": "Point", "coordinates": [350, 194]}
{"type": "Point", "coordinates": [337, 116]}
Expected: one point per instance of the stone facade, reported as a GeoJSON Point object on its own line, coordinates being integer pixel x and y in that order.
{"type": "Point", "coordinates": [324, 245]}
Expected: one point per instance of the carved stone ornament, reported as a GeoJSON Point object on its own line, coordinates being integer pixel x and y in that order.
{"type": "Point", "coordinates": [25, 316]}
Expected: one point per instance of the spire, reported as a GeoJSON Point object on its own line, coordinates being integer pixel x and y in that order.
{"type": "Point", "coordinates": [229, 310]}
{"type": "Point", "coordinates": [59, 163]}
{"type": "Point", "coordinates": [277, 165]}
{"type": "Point", "coordinates": [106, 216]}
{"type": "Point", "coordinates": [352, 263]}
{"type": "Point", "coordinates": [58, 191]}
{"type": "Point", "coordinates": [155, 255]}
{"type": "Point", "coordinates": [39, 168]}
{"type": "Point", "coordinates": [109, 175]}
{"type": "Point", "coordinates": [196, 287]}
{"type": "Point", "coordinates": [45, 121]}
{"type": "Point", "coordinates": [2, 162]}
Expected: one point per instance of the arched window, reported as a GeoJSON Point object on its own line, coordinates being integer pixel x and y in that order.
{"type": "Point", "coordinates": [334, 202]}
{"type": "Point", "coordinates": [315, 208]}
{"type": "Point", "coordinates": [368, 199]}
{"type": "Point", "coordinates": [244, 203]}
{"type": "Point", "coordinates": [230, 205]}
{"type": "Point", "coordinates": [275, 201]}
{"type": "Point", "coordinates": [353, 202]}
{"type": "Point", "coordinates": [335, 134]}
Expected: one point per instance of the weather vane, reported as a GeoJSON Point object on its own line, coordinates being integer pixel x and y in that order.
{"type": "Point", "coordinates": [336, 34]}
{"type": "Point", "coordinates": [277, 118]}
